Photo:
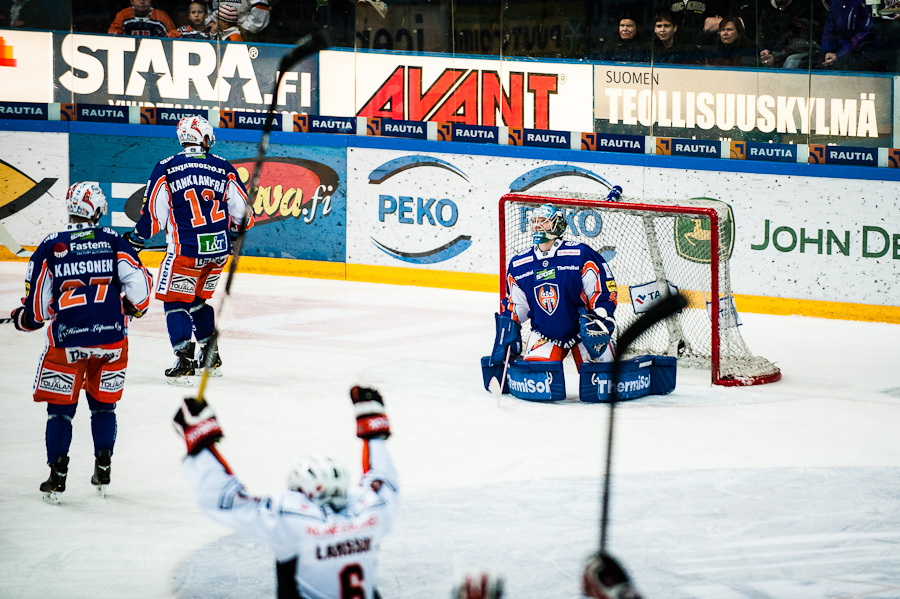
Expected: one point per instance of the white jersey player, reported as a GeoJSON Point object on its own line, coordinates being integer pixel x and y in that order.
{"type": "Point", "coordinates": [325, 539]}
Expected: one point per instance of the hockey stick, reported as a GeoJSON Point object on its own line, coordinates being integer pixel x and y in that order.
{"type": "Point", "coordinates": [660, 311]}
{"type": "Point", "coordinates": [495, 386]}
{"type": "Point", "coordinates": [6, 320]}
{"type": "Point", "coordinates": [307, 45]}
{"type": "Point", "coordinates": [13, 245]}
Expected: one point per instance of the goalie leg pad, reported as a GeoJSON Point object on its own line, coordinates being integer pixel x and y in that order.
{"type": "Point", "coordinates": [490, 371]}
{"type": "Point", "coordinates": [638, 377]}
{"type": "Point", "coordinates": [536, 380]}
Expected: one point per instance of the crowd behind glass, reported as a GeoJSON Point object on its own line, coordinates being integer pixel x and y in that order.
{"type": "Point", "coordinates": [845, 35]}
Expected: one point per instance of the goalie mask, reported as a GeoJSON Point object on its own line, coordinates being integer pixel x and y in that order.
{"type": "Point", "coordinates": [321, 478]}
{"type": "Point", "coordinates": [196, 130]}
{"type": "Point", "coordinates": [86, 200]}
{"type": "Point", "coordinates": [547, 223]}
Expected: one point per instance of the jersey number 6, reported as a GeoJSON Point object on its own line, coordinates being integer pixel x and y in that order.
{"type": "Point", "coordinates": [351, 582]}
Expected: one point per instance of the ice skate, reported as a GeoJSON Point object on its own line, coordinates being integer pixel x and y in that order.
{"type": "Point", "coordinates": [214, 366]}
{"type": "Point", "coordinates": [183, 368]}
{"type": "Point", "coordinates": [102, 471]}
{"type": "Point", "coordinates": [53, 487]}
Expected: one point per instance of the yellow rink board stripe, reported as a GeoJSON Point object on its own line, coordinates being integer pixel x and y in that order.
{"type": "Point", "coordinates": [756, 304]}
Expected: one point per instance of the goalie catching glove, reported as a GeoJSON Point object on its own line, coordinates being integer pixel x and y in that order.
{"type": "Point", "coordinates": [371, 421]}
{"type": "Point", "coordinates": [596, 331]}
{"type": "Point", "coordinates": [508, 334]}
{"type": "Point", "coordinates": [197, 423]}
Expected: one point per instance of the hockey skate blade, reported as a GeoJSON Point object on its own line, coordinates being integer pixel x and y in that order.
{"type": "Point", "coordinates": [215, 372]}
{"type": "Point", "coordinates": [180, 381]}
{"type": "Point", "coordinates": [101, 490]}
{"type": "Point", "coordinates": [52, 497]}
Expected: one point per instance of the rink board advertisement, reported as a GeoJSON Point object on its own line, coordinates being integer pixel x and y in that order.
{"type": "Point", "coordinates": [299, 208]}
{"type": "Point", "coordinates": [752, 105]}
{"type": "Point", "coordinates": [34, 176]}
{"type": "Point", "coordinates": [439, 211]}
{"type": "Point", "coordinates": [529, 94]}
{"type": "Point", "coordinates": [121, 70]}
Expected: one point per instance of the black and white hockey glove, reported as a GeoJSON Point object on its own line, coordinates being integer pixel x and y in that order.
{"type": "Point", "coordinates": [604, 578]}
{"type": "Point", "coordinates": [135, 240]}
{"type": "Point", "coordinates": [130, 309]}
{"type": "Point", "coordinates": [596, 331]}
{"type": "Point", "coordinates": [371, 421]}
{"type": "Point", "coordinates": [197, 423]}
{"type": "Point", "coordinates": [23, 322]}
{"type": "Point", "coordinates": [483, 587]}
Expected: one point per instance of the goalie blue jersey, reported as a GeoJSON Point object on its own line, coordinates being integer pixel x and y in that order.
{"type": "Point", "coordinates": [76, 279]}
{"type": "Point", "coordinates": [194, 196]}
{"type": "Point", "coordinates": [549, 287]}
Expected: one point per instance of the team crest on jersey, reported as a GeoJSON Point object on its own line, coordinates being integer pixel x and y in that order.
{"type": "Point", "coordinates": [547, 295]}
{"type": "Point", "coordinates": [60, 250]}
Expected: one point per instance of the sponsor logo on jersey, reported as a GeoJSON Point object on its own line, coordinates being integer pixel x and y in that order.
{"type": "Point", "coordinates": [112, 381]}
{"type": "Point", "coordinates": [53, 381]}
{"type": "Point", "coordinates": [692, 237]}
{"type": "Point", "coordinates": [522, 261]}
{"type": "Point", "coordinates": [568, 253]}
{"type": "Point", "coordinates": [545, 274]}
{"type": "Point", "coordinates": [73, 354]}
{"type": "Point", "coordinates": [547, 295]}
{"type": "Point", "coordinates": [344, 548]}
{"type": "Point", "coordinates": [183, 284]}
{"type": "Point", "coordinates": [210, 283]}
{"type": "Point", "coordinates": [91, 247]}
{"type": "Point", "coordinates": [86, 234]}
{"type": "Point", "coordinates": [211, 243]}
{"type": "Point", "coordinates": [524, 275]}
{"type": "Point", "coordinates": [60, 250]}
{"type": "Point", "coordinates": [568, 267]}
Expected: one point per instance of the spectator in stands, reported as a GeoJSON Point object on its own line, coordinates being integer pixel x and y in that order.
{"type": "Point", "coordinates": [849, 42]}
{"type": "Point", "coordinates": [28, 14]}
{"type": "Point", "coordinates": [786, 33]}
{"type": "Point", "coordinates": [252, 17]}
{"type": "Point", "coordinates": [666, 48]}
{"type": "Point", "coordinates": [198, 29]}
{"type": "Point", "coordinates": [733, 48]}
{"type": "Point", "coordinates": [226, 26]}
{"type": "Point", "coordinates": [697, 20]}
{"type": "Point", "coordinates": [141, 19]}
{"type": "Point", "coordinates": [628, 43]}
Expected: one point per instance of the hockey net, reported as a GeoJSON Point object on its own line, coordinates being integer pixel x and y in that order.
{"type": "Point", "coordinates": [656, 247]}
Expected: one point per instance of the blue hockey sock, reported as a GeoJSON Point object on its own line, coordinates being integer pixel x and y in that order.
{"type": "Point", "coordinates": [59, 430]}
{"type": "Point", "coordinates": [178, 322]}
{"type": "Point", "coordinates": [203, 316]}
{"type": "Point", "coordinates": [103, 424]}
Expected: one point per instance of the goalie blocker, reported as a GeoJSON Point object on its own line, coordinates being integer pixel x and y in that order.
{"type": "Point", "coordinates": [544, 381]}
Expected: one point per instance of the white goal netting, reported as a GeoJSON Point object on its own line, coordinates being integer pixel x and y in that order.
{"type": "Point", "coordinates": [655, 247]}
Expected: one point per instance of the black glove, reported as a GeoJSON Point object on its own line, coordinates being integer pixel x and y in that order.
{"type": "Point", "coordinates": [604, 578]}
{"type": "Point", "coordinates": [135, 240]}
{"type": "Point", "coordinates": [130, 309]}
{"type": "Point", "coordinates": [233, 229]}
{"type": "Point", "coordinates": [371, 421]}
{"type": "Point", "coordinates": [23, 322]}
{"type": "Point", "coordinates": [197, 423]}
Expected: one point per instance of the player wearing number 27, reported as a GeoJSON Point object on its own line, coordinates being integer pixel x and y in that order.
{"type": "Point", "coordinates": [325, 537]}
{"type": "Point", "coordinates": [198, 199]}
{"type": "Point", "coordinates": [84, 281]}
{"type": "Point", "coordinates": [568, 292]}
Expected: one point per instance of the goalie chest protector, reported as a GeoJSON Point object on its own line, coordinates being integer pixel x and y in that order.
{"type": "Point", "coordinates": [638, 377]}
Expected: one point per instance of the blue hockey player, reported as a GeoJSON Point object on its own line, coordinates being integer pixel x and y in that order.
{"type": "Point", "coordinates": [567, 292]}
{"type": "Point", "coordinates": [85, 281]}
{"type": "Point", "coordinates": [200, 202]}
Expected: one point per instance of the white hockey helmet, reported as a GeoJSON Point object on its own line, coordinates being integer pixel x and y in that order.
{"type": "Point", "coordinates": [321, 478]}
{"type": "Point", "coordinates": [547, 222]}
{"type": "Point", "coordinates": [196, 130]}
{"type": "Point", "coordinates": [86, 200]}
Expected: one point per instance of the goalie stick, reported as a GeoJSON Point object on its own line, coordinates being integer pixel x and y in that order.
{"type": "Point", "coordinates": [307, 45]}
{"type": "Point", "coordinates": [496, 386]}
{"type": "Point", "coordinates": [660, 311]}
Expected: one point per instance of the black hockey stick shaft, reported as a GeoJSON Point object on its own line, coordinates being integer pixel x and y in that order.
{"type": "Point", "coordinates": [6, 320]}
{"type": "Point", "coordinates": [660, 311]}
{"type": "Point", "coordinates": [307, 45]}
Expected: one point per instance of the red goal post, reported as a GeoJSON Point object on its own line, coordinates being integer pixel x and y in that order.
{"type": "Point", "coordinates": [655, 247]}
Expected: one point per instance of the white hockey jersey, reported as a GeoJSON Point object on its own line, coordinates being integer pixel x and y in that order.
{"type": "Point", "coordinates": [334, 553]}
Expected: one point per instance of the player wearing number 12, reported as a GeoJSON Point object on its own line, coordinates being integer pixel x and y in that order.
{"type": "Point", "coordinates": [198, 199]}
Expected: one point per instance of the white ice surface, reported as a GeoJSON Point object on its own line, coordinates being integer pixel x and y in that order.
{"type": "Point", "coordinates": [784, 491]}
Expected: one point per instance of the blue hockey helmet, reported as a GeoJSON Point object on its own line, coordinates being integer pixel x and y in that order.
{"type": "Point", "coordinates": [547, 222]}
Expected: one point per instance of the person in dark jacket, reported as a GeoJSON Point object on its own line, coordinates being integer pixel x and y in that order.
{"type": "Point", "coordinates": [850, 41]}
{"type": "Point", "coordinates": [628, 44]}
{"type": "Point", "coordinates": [733, 49]}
